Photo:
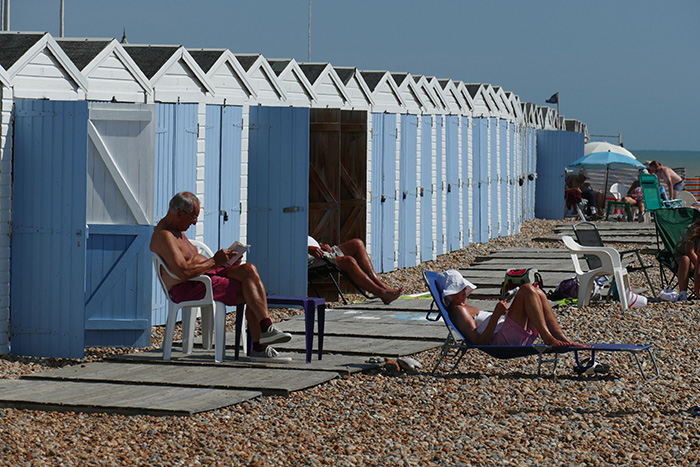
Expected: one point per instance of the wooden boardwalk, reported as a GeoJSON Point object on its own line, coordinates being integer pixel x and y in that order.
{"type": "Point", "coordinates": [142, 383]}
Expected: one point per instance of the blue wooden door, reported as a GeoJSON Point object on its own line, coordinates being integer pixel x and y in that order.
{"type": "Point", "coordinates": [494, 206]}
{"type": "Point", "coordinates": [222, 189]}
{"type": "Point", "coordinates": [408, 202]}
{"type": "Point", "coordinates": [467, 182]}
{"type": "Point", "coordinates": [484, 176]}
{"type": "Point", "coordinates": [278, 197]}
{"type": "Point", "coordinates": [49, 229]}
{"type": "Point", "coordinates": [440, 187]}
{"type": "Point", "coordinates": [383, 191]}
{"type": "Point", "coordinates": [427, 190]}
{"type": "Point", "coordinates": [452, 176]}
{"type": "Point", "coordinates": [118, 285]}
{"type": "Point", "coordinates": [503, 177]}
{"type": "Point", "coordinates": [175, 171]}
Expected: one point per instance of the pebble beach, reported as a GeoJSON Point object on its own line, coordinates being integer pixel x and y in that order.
{"type": "Point", "coordinates": [488, 412]}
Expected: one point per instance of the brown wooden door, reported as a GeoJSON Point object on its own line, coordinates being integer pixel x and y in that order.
{"type": "Point", "coordinates": [337, 175]}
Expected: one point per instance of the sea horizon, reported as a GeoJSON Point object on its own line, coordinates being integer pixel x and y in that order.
{"type": "Point", "coordinates": [689, 160]}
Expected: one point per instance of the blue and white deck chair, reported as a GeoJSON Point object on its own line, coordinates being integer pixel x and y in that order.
{"type": "Point", "coordinates": [457, 342]}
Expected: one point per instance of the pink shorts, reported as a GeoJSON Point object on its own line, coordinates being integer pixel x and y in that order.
{"type": "Point", "coordinates": [511, 333]}
{"type": "Point", "coordinates": [225, 290]}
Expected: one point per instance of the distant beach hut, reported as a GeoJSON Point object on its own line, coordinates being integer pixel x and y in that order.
{"type": "Point", "coordinates": [225, 192]}
{"type": "Point", "coordinates": [338, 141]}
{"type": "Point", "coordinates": [409, 221]}
{"type": "Point", "coordinates": [278, 175]}
{"type": "Point", "coordinates": [180, 91]}
{"type": "Point", "coordinates": [555, 150]}
{"type": "Point", "coordinates": [382, 231]}
{"type": "Point", "coordinates": [95, 199]}
{"type": "Point", "coordinates": [429, 178]}
{"type": "Point", "coordinates": [480, 160]}
{"type": "Point", "coordinates": [466, 155]}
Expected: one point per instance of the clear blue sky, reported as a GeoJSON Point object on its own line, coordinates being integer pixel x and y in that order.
{"type": "Point", "coordinates": [621, 66]}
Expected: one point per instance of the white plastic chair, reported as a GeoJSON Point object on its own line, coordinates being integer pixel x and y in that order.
{"type": "Point", "coordinates": [618, 191]}
{"type": "Point", "coordinates": [212, 313]}
{"type": "Point", "coordinates": [687, 198]}
{"type": "Point", "coordinates": [610, 264]}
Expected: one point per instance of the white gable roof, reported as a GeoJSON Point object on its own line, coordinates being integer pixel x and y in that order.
{"type": "Point", "coordinates": [39, 69]}
{"type": "Point", "coordinates": [442, 107]}
{"type": "Point", "coordinates": [4, 77]}
{"type": "Point", "coordinates": [172, 72]}
{"type": "Point", "coordinates": [385, 93]}
{"type": "Point", "coordinates": [328, 86]}
{"type": "Point", "coordinates": [356, 87]}
{"type": "Point", "coordinates": [111, 74]}
{"type": "Point", "coordinates": [431, 102]}
{"type": "Point", "coordinates": [296, 86]}
{"type": "Point", "coordinates": [455, 102]}
{"type": "Point", "coordinates": [267, 87]}
{"type": "Point", "coordinates": [410, 92]}
{"type": "Point", "coordinates": [465, 97]}
{"type": "Point", "coordinates": [230, 81]}
{"type": "Point", "coordinates": [483, 101]}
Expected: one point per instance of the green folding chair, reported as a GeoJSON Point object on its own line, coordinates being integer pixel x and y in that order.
{"type": "Point", "coordinates": [650, 193]}
{"type": "Point", "coordinates": [670, 224]}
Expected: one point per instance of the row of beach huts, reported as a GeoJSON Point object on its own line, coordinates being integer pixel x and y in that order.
{"type": "Point", "coordinates": [97, 135]}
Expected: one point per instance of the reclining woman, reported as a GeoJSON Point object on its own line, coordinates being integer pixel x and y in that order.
{"type": "Point", "coordinates": [528, 316]}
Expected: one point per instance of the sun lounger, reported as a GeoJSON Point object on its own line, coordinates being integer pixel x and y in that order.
{"type": "Point", "coordinates": [457, 343]}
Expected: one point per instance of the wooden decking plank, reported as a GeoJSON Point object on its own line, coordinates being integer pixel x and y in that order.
{"type": "Point", "coordinates": [116, 398]}
{"type": "Point", "coordinates": [366, 346]}
{"type": "Point", "coordinates": [372, 328]}
{"type": "Point", "coordinates": [342, 364]}
{"type": "Point", "coordinates": [265, 380]}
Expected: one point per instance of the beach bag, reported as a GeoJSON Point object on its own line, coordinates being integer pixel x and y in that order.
{"type": "Point", "coordinates": [568, 288]}
{"type": "Point", "coordinates": [517, 277]}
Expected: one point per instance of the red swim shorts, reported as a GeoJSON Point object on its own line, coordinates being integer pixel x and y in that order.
{"type": "Point", "coordinates": [511, 333]}
{"type": "Point", "coordinates": [225, 289]}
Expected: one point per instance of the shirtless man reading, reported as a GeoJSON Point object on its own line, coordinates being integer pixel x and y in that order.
{"type": "Point", "coordinates": [233, 285]}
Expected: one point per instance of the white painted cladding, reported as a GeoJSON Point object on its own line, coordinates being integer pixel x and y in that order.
{"type": "Point", "coordinates": [5, 213]}
{"type": "Point", "coordinates": [112, 80]}
{"type": "Point", "coordinates": [45, 78]}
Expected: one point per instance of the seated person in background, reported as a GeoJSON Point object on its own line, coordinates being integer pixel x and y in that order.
{"type": "Point", "coordinates": [674, 181]}
{"type": "Point", "coordinates": [578, 188]}
{"type": "Point", "coordinates": [528, 316]}
{"type": "Point", "coordinates": [685, 254]}
{"type": "Point", "coordinates": [634, 197]}
{"type": "Point", "coordinates": [236, 284]}
{"type": "Point", "coordinates": [352, 258]}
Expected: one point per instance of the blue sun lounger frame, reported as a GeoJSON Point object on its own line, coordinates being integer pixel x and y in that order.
{"type": "Point", "coordinates": [457, 342]}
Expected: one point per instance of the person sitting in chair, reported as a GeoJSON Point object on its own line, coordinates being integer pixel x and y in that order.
{"type": "Point", "coordinates": [634, 198]}
{"type": "Point", "coordinates": [233, 285]}
{"type": "Point", "coordinates": [685, 254]}
{"type": "Point", "coordinates": [352, 258]}
{"type": "Point", "coordinates": [528, 316]}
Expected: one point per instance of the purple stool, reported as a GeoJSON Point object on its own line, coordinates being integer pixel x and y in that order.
{"type": "Point", "coordinates": [311, 305]}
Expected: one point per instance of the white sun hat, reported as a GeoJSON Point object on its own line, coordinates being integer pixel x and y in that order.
{"type": "Point", "coordinates": [452, 282]}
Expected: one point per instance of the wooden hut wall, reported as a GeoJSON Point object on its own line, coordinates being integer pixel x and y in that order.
{"type": "Point", "coordinates": [427, 190]}
{"type": "Point", "coordinates": [5, 207]}
{"type": "Point", "coordinates": [467, 182]}
{"type": "Point", "coordinates": [555, 149]}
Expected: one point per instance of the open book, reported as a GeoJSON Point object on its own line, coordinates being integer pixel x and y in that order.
{"type": "Point", "coordinates": [238, 250]}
